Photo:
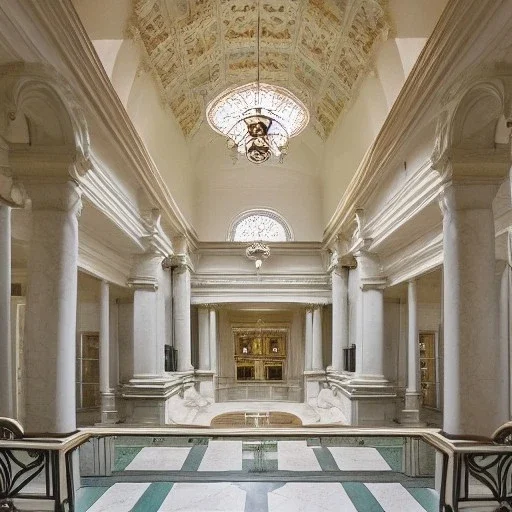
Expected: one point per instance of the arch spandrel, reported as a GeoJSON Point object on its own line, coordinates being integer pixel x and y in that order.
{"type": "Point", "coordinates": [469, 138]}
{"type": "Point", "coordinates": [41, 116]}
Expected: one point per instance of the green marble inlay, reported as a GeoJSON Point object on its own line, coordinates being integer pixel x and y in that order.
{"type": "Point", "coordinates": [124, 455]}
{"type": "Point", "coordinates": [370, 441]}
{"type": "Point", "coordinates": [361, 497]}
{"type": "Point", "coordinates": [325, 459]}
{"type": "Point", "coordinates": [194, 458]}
{"type": "Point", "coordinates": [86, 497]}
{"type": "Point", "coordinates": [427, 498]}
{"type": "Point", "coordinates": [393, 456]}
{"type": "Point", "coordinates": [153, 497]}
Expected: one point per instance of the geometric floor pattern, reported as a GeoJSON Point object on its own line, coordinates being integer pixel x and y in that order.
{"type": "Point", "coordinates": [248, 497]}
{"type": "Point", "coordinates": [302, 478]}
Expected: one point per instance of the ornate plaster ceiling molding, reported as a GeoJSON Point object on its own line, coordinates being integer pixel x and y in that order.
{"type": "Point", "coordinates": [318, 49]}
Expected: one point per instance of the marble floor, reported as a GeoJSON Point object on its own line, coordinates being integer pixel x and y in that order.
{"type": "Point", "coordinates": [257, 476]}
{"type": "Point", "coordinates": [257, 497]}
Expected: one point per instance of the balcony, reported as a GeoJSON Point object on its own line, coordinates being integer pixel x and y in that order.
{"type": "Point", "coordinates": [167, 469]}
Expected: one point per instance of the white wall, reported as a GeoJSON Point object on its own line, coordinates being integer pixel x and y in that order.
{"type": "Point", "coordinates": [225, 192]}
{"type": "Point", "coordinates": [106, 25]}
{"type": "Point", "coordinates": [412, 23]}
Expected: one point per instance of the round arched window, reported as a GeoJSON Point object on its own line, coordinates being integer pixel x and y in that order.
{"type": "Point", "coordinates": [264, 225]}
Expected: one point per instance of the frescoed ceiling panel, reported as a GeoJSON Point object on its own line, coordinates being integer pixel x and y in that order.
{"type": "Point", "coordinates": [319, 49]}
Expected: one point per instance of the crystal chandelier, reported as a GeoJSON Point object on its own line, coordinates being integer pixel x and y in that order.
{"type": "Point", "coordinates": [258, 119]}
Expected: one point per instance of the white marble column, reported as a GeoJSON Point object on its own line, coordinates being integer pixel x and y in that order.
{"type": "Point", "coordinates": [148, 351]}
{"type": "Point", "coordinates": [317, 352]}
{"type": "Point", "coordinates": [204, 337]}
{"type": "Point", "coordinates": [503, 321]}
{"type": "Point", "coordinates": [6, 353]}
{"type": "Point", "coordinates": [473, 385]}
{"type": "Point", "coordinates": [411, 412]}
{"type": "Point", "coordinates": [182, 338]}
{"type": "Point", "coordinates": [370, 318]}
{"type": "Point", "coordinates": [213, 339]}
{"type": "Point", "coordinates": [108, 399]}
{"type": "Point", "coordinates": [308, 338]}
{"type": "Point", "coordinates": [50, 329]}
{"type": "Point", "coordinates": [339, 316]}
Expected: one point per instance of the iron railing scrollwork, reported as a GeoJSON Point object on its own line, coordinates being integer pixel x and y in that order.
{"type": "Point", "coordinates": [493, 471]}
{"type": "Point", "coordinates": [16, 474]}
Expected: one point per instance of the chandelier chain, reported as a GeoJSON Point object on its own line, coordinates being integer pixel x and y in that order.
{"type": "Point", "coordinates": [258, 55]}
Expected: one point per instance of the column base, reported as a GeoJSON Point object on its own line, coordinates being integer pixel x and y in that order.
{"type": "Point", "coordinates": [312, 384]}
{"type": "Point", "coordinates": [410, 415]}
{"type": "Point", "coordinates": [147, 399]}
{"type": "Point", "coordinates": [366, 400]}
{"type": "Point", "coordinates": [207, 382]}
{"type": "Point", "coordinates": [109, 414]}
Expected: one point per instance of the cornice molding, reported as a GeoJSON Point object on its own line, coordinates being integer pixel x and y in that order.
{"type": "Point", "coordinates": [281, 248]}
{"type": "Point", "coordinates": [458, 26]}
{"type": "Point", "coordinates": [297, 288]}
{"type": "Point", "coordinates": [418, 258]}
{"type": "Point", "coordinates": [101, 261]}
{"type": "Point", "coordinates": [416, 193]}
{"type": "Point", "coordinates": [261, 280]}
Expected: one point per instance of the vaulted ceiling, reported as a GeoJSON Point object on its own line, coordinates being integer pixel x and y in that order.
{"type": "Point", "coordinates": [318, 49]}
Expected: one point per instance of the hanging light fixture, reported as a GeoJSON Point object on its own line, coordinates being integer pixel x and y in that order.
{"type": "Point", "coordinates": [258, 119]}
{"type": "Point", "coordinates": [258, 252]}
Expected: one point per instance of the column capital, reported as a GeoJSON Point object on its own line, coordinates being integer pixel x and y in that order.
{"type": "Point", "coordinates": [145, 270]}
{"type": "Point", "coordinates": [12, 193]}
{"type": "Point", "coordinates": [483, 165]}
{"type": "Point", "coordinates": [468, 194]}
{"type": "Point", "coordinates": [48, 163]}
{"type": "Point", "coordinates": [180, 261]}
{"type": "Point", "coordinates": [370, 270]}
{"type": "Point", "coordinates": [373, 283]}
{"type": "Point", "coordinates": [57, 196]}
{"type": "Point", "coordinates": [339, 264]}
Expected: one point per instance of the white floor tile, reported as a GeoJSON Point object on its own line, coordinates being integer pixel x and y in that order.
{"type": "Point", "coordinates": [119, 498]}
{"type": "Point", "coordinates": [222, 456]}
{"type": "Point", "coordinates": [204, 497]}
{"type": "Point", "coordinates": [394, 498]}
{"type": "Point", "coordinates": [310, 497]}
{"type": "Point", "coordinates": [350, 458]}
{"type": "Point", "coordinates": [296, 456]}
{"type": "Point", "coordinates": [159, 458]}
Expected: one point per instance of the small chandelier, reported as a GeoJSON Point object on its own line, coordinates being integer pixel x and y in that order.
{"type": "Point", "coordinates": [258, 251]}
{"type": "Point", "coordinates": [258, 119]}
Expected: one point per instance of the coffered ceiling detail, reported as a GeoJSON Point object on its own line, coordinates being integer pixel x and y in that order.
{"type": "Point", "coordinates": [318, 49]}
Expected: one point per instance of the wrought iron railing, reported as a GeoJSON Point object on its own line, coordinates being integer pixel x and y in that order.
{"type": "Point", "coordinates": [45, 470]}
